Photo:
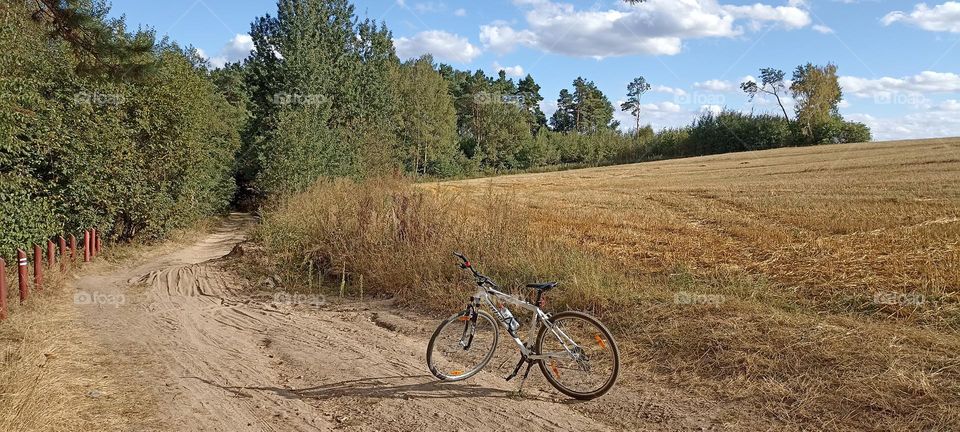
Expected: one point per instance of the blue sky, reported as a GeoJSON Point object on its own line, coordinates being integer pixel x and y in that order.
{"type": "Point", "coordinates": [899, 61]}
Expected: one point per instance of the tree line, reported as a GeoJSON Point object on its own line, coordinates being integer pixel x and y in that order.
{"type": "Point", "coordinates": [103, 126]}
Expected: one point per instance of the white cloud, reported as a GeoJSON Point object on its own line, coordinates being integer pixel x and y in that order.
{"type": "Point", "coordinates": [715, 85]}
{"type": "Point", "coordinates": [460, 12]}
{"type": "Point", "coordinates": [666, 107]}
{"type": "Point", "coordinates": [929, 124]}
{"type": "Point", "coordinates": [942, 18]}
{"type": "Point", "coordinates": [668, 90]}
{"type": "Point", "coordinates": [882, 88]}
{"type": "Point", "coordinates": [444, 46]}
{"type": "Point", "coordinates": [791, 17]}
{"type": "Point", "coordinates": [950, 105]}
{"type": "Point", "coordinates": [656, 27]}
{"type": "Point", "coordinates": [820, 28]}
{"type": "Point", "coordinates": [500, 37]}
{"type": "Point", "coordinates": [235, 50]}
{"type": "Point", "coordinates": [428, 7]}
{"type": "Point", "coordinates": [513, 71]}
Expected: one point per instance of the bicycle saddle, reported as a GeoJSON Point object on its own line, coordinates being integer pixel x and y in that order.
{"type": "Point", "coordinates": [544, 286]}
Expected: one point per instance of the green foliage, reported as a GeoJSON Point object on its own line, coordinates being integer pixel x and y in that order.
{"type": "Point", "coordinates": [835, 130]}
{"type": "Point", "coordinates": [669, 143]}
{"type": "Point", "coordinates": [427, 137]}
{"type": "Point", "coordinates": [817, 93]}
{"type": "Point", "coordinates": [732, 131]}
{"type": "Point", "coordinates": [316, 67]}
{"type": "Point", "coordinates": [586, 110]}
{"type": "Point", "coordinates": [133, 156]}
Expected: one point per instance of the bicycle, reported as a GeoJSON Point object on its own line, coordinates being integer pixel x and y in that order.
{"type": "Point", "coordinates": [574, 351]}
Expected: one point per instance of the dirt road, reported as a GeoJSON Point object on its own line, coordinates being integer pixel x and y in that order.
{"type": "Point", "coordinates": [196, 348]}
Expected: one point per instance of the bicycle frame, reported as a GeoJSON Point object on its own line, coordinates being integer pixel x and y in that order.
{"type": "Point", "coordinates": [485, 294]}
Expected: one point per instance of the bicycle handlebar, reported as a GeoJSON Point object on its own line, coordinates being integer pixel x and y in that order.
{"type": "Point", "coordinates": [465, 264]}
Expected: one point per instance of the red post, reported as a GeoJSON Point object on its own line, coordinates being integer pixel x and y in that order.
{"type": "Point", "coordinates": [73, 249]}
{"type": "Point", "coordinates": [37, 268]}
{"type": "Point", "coordinates": [3, 289]}
{"type": "Point", "coordinates": [51, 254]}
{"type": "Point", "coordinates": [86, 246]}
{"type": "Point", "coordinates": [22, 274]}
{"type": "Point", "coordinates": [93, 242]}
{"type": "Point", "coordinates": [63, 254]}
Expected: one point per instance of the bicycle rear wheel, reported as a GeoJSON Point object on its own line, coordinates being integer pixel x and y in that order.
{"type": "Point", "coordinates": [584, 360]}
{"type": "Point", "coordinates": [461, 346]}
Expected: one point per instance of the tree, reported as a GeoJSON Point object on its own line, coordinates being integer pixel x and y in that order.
{"type": "Point", "coordinates": [101, 46]}
{"type": "Point", "coordinates": [428, 120]}
{"type": "Point", "coordinates": [565, 118]}
{"type": "Point", "coordinates": [817, 93]}
{"type": "Point", "coordinates": [593, 111]}
{"type": "Point", "coordinates": [771, 83]}
{"type": "Point", "coordinates": [530, 91]}
{"type": "Point", "coordinates": [315, 52]}
{"type": "Point", "coordinates": [635, 90]}
{"type": "Point", "coordinates": [586, 110]}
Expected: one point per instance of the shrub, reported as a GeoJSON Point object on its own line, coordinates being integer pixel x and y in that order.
{"type": "Point", "coordinates": [132, 156]}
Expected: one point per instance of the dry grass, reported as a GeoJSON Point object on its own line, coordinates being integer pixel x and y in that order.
{"type": "Point", "coordinates": [749, 279]}
{"type": "Point", "coordinates": [49, 365]}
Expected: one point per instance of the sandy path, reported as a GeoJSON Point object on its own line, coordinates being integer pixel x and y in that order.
{"type": "Point", "coordinates": [200, 353]}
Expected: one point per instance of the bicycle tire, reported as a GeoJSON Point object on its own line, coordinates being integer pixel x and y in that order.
{"type": "Point", "coordinates": [481, 315]}
{"type": "Point", "coordinates": [607, 341]}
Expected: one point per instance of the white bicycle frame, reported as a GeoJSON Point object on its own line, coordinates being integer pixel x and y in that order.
{"type": "Point", "coordinates": [486, 293]}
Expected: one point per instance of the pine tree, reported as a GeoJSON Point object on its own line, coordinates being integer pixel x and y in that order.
{"type": "Point", "coordinates": [529, 90]}
{"type": "Point", "coordinates": [564, 119]}
{"type": "Point", "coordinates": [102, 46]}
{"type": "Point", "coordinates": [635, 91]}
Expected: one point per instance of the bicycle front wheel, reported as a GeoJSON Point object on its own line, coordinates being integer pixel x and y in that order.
{"type": "Point", "coordinates": [462, 346]}
{"type": "Point", "coordinates": [582, 360]}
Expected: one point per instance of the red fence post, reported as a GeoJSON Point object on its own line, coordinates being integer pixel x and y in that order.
{"type": "Point", "coordinates": [51, 255]}
{"type": "Point", "coordinates": [93, 242]}
{"type": "Point", "coordinates": [3, 289]}
{"type": "Point", "coordinates": [37, 268]}
{"type": "Point", "coordinates": [73, 249]}
{"type": "Point", "coordinates": [22, 274]}
{"type": "Point", "coordinates": [63, 253]}
{"type": "Point", "coordinates": [86, 246]}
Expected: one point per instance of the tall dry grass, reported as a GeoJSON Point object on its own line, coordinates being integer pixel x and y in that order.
{"type": "Point", "coordinates": [390, 239]}
{"type": "Point", "coordinates": [723, 334]}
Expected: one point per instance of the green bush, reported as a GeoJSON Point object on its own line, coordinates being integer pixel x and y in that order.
{"type": "Point", "coordinates": [668, 143]}
{"type": "Point", "coordinates": [133, 156]}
